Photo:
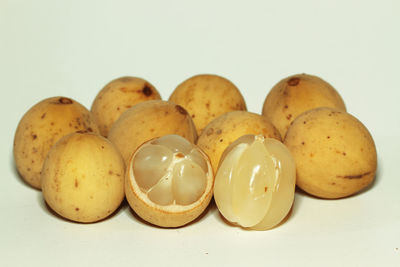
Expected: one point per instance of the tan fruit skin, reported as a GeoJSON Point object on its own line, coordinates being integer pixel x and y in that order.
{"type": "Point", "coordinates": [118, 96]}
{"type": "Point", "coordinates": [83, 177]}
{"type": "Point", "coordinates": [206, 96]}
{"type": "Point", "coordinates": [295, 94]}
{"type": "Point", "coordinates": [41, 127]}
{"type": "Point", "coordinates": [148, 120]}
{"type": "Point", "coordinates": [225, 129]}
{"type": "Point", "coordinates": [334, 152]}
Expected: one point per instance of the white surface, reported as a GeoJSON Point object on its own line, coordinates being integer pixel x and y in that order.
{"type": "Point", "coordinates": [73, 48]}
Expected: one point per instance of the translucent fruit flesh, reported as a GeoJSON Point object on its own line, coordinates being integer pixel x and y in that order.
{"type": "Point", "coordinates": [255, 182]}
{"type": "Point", "coordinates": [171, 171]}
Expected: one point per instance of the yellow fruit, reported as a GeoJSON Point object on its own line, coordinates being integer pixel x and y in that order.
{"type": "Point", "coordinates": [255, 182]}
{"type": "Point", "coordinates": [169, 181]}
{"type": "Point", "coordinates": [41, 127]}
{"type": "Point", "coordinates": [334, 152]}
{"type": "Point", "coordinates": [295, 94]}
{"type": "Point", "coordinates": [118, 96]}
{"type": "Point", "coordinates": [228, 127]}
{"type": "Point", "coordinates": [83, 177]}
{"type": "Point", "coordinates": [148, 120]}
{"type": "Point", "coordinates": [206, 97]}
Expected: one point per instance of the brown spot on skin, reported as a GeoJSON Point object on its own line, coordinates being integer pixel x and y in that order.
{"type": "Point", "coordinates": [64, 101]}
{"type": "Point", "coordinates": [128, 106]}
{"type": "Point", "coordinates": [344, 154]}
{"type": "Point", "coordinates": [311, 155]}
{"type": "Point", "coordinates": [43, 115]}
{"type": "Point", "coordinates": [356, 176]}
{"type": "Point", "coordinates": [125, 79]}
{"type": "Point", "coordinates": [333, 183]}
{"type": "Point", "coordinates": [34, 136]}
{"type": "Point", "coordinates": [328, 137]}
{"type": "Point", "coordinates": [102, 147]}
{"type": "Point", "coordinates": [108, 211]}
{"type": "Point", "coordinates": [76, 183]}
{"type": "Point", "coordinates": [181, 110]}
{"type": "Point", "coordinates": [77, 209]}
{"type": "Point", "coordinates": [147, 90]}
{"type": "Point", "coordinates": [52, 123]}
{"type": "Point", "coordinates": [152, 130]}
{"type": "Point", "coordinates": [302, 143]}
{"type": "Point", "coordinates": [208, 105]}
{"type": "Point", "coordinates": [221, 140]}
{"type": "Point", "coordinates": [286, 106]}
{"type": "Point", "coordinates": [70, 124]}
{"type": "Point", "coordinates": [123, 89]}
{"type": "Point", "coordinates": [293, 81]}
{"type": "Point", "coordinates": [304, 122]}
{"type": "Point", "coordinates": [265, 189]}
{"type": "Point", "coordinates": [28, 169]}
{"type": "Point", "coordinates": [193, 116]}
{"type": "Point", "coordinates": [289, 116]}
{"type": "Point", "coordinates": [118, 108]}
{"type": "Point", "coordinates": [180, 155]}
{"type": "Point", "coordinates": [209, 131]}
{"type": "Point", "coordinates": [110, 172]}
{"type": "Point", "coordinates": [89, 129]}
{"type": "Point", "coordinates": [219, 131]}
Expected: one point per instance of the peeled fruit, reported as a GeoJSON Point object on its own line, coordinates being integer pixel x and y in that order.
{"type": "Point", "coordinates": [334, 152]}
{"type": "Point", "coordinates": [298, 93]}
{"type": "Point", "coordinates": [148, 120]}
{"type": "Point", "coordinates": [41, 127]}
{"type": "Point", "coordinates": [118, 96]}
{"type": "Point", "coordinates": [83, 177]}
{"type": "Point", "coordinates": [228, 127]}
{"type": "Point", "coordinates": [169, 181]}
{"type": "Point", "coordinates": [207, 96]}
{"type": "Point", "coordinates": [255, 182]}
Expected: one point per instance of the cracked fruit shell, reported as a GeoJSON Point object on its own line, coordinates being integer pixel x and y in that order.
{"type": "Point", "coordinates": [169, 181]}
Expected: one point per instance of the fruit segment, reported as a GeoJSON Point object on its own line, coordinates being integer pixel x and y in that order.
{"type": "Point", "coordinates": [283, 185]}
{"type": "Point", "coordinates": [255, 182]}
{"type": "Point", "coordinates": [151, 163]}
{"type": "Point", "coordinates": [251, 197]}
{"type": "Point", "coordinates": [189, 182]}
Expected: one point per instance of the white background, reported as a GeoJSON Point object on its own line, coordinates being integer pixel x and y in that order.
{"type": "Point", "coordinates": [73, 48]}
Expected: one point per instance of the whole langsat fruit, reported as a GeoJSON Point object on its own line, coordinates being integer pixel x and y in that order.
{"type": "Point", "coordinates": [334, 152]}
{"type": "Point", "coordinates": [207, 96]}
{"type": "Point", "coordinates": [83, 177]}
{"type": "Point", "coordinates": [295, 94]}
{"type": "Point", "coordinates": [117, 96]}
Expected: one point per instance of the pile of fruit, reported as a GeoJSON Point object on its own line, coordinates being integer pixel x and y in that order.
{"type": "Point", "coordinates": [170, 158]}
